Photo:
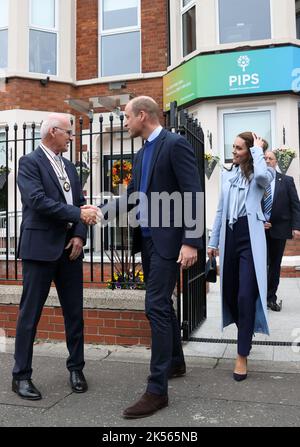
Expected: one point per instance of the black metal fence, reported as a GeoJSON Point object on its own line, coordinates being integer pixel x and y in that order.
{"type": "Point", "coordinates": [103, 154]}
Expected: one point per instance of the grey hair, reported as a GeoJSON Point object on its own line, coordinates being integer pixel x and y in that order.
{"type": "Point", "coordinates": [53, 120]}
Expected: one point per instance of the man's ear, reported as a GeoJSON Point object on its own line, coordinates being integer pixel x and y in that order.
{"type": "Point", "coordinates": [52, 132]}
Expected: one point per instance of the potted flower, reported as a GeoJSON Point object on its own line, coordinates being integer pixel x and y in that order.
{"type": "Point", "coordinates": [210, 162]}
{"type": "Point", "coordinates": [3, 171]}
{"type": "Point", "coordinates": [82, 171]}
{"type": "Point", "coordinates": [284, 158]}
{"type": "Point", "coordinates": [121, 174]}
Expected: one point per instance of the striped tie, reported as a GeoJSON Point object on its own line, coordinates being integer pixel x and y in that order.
{"type": "Point", "coordinates": [268, 200]}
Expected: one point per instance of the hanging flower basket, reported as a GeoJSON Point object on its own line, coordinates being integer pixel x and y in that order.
{"type": "Point", "coordinates": [3, 171]}
{"type": "Point", "coordinates": [82, 167]}
{"type": "Point", "coordinates": [210, 162]}
{"type": "Point", "coordinates": [284, 158]}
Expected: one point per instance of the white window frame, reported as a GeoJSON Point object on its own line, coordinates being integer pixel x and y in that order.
{"type": "Point", "coordinates": [244, 109]}
{"type": "Point", "coordinates": [232, 43]}
{"type": "Point", "coordinates": [113, 31]}
{"type": "Point", "coordinates": [54, 30]}
{"type": "Point", "coordinates": [183, 10]}
{"type": "Point", "coordinates": [5, 28]}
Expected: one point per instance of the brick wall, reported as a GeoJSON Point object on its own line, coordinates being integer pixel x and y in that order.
{"type": "Point", "coordinates": [87, 39]}
{"type": "Point", "coordinates": [154, 35]}
{"type": "Point", "coordinates": [109, 327]}
{"type": "Point", "coordinates": [292, 248]}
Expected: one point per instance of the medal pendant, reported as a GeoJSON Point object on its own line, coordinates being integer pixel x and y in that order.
{"type": "Point", "coordinates": [67, 186]}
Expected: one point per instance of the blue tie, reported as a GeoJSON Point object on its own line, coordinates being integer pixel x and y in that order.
{"type": "Point", "coordinates": [268, 200]}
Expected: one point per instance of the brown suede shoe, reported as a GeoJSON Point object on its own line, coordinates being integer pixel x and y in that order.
{"type": "Point", "coordinates": [148, 404]}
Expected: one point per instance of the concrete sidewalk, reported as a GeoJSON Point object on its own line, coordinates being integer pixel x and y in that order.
{"type": "Point", "coordinates": [206, 397]}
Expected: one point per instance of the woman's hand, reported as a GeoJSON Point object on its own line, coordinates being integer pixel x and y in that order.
{"type": "Point", "coordinates": [211, 252]}
{"type": "Point", "coordinates": [257, 141]}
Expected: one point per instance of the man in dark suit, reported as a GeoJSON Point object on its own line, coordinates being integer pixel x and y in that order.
{"type": "Point", "coordinates": [282, 223]}
{"type": "Point", "coordinates": [165, 164]}
{"type": "Point", "coordinates": [53, 232]}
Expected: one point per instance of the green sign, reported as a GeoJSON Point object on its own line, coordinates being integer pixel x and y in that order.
{"type": "Point", "coordinates": [236, 73]}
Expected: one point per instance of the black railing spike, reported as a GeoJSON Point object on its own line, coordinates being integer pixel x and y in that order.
{"type": "Point", "coordinates": [24, 126]}
{"type": "Point", "coordinates": [80, 120]}
{"type": "Point", "coordinates": [111, 117]}
{"type": "Point", "coordinates": [101, 118]}
{"type": "Point", "coordinates": [7, 128]}
{"type": "Point", "coordinates": [15, 126]}
{"type": "Point", "coordinates": [121, 116]}
{"type": "Point", "coordinates": [33, 125]}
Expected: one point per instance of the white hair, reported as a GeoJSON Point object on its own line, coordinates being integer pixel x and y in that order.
{"type": "Point", "coordinates": [53, 120]}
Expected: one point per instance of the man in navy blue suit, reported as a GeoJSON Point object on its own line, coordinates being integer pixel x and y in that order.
{"type": "Point", "coordinates": [53, 232]}
{"type": "Point", "coordinates": [282, 223]}
{"type": "Point", "coordinates": [165, 165]}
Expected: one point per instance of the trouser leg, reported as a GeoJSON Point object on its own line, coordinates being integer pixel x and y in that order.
{"type": "Point", "coordinates": [161, 275]}
{"type": "Point", "coordinates": [69, 284]}
{"type": "Point", "coordinates": [37, 278]}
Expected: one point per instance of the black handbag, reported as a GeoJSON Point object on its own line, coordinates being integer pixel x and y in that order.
{"type": "Point", "coordinates": [211, 270]}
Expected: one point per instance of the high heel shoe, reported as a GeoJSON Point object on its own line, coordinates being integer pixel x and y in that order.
{"type": "Point", "coordinates": [239, 377]}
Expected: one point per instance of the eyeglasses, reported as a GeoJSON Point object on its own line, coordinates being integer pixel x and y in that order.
{"type": "Point", "coordinates": [69, 132]}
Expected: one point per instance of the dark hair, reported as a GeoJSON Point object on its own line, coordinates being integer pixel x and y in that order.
{"type": "Point", "coordinates": [249, 141]}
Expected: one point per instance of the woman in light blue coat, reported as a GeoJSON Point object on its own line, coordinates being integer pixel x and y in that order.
{"type": "Point", "coordinates": [238, 232]}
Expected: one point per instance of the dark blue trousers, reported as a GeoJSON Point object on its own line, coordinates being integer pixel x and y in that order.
{"type": "Point", "coordinates": [275, 252]}
{"type": "Point", "coordinates": [166, 350]}
{"type": "Point", "coordinates": [37, 277]}
{"type": "Point", "coordinates": [240, 289]}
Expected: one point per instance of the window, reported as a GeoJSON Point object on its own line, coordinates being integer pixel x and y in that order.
{"type": "Point", "coordinates": [43, 37]}
{"type": "Point", "coordinates": [33, 139]}
{"type": "Point", "coordinates": [120, 37]}
{"type": "Point", "coordinates": [3, 33]}
{"type": "Point", "coordinates": [113, 166]}
{"type": "Point", "coordinates": [243, 21]}
{"type": "Point", "coordinates": [2, 148]}
{"type": "Point", "coordinates": [234, 122]}
{"type": "Point", "coordinates": [188, 27]}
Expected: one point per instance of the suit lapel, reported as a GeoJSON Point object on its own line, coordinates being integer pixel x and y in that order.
{"type": "Point", "coordinates": [278, 183]}
{"type": "Point", "coordinates": [46, 163]}
{"type": "Point", "coordinates": [138, 168]}
{"type": "Point", "coordinates": [158, 146]}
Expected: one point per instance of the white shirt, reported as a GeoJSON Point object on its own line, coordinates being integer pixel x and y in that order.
{"type": "Point", "coordinates": [60, 171]}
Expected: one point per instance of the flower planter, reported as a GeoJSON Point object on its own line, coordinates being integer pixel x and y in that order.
{"type": "Point", "coordinates": [209, 166]}
{"type": "Point", "coordinates": [284, 163]}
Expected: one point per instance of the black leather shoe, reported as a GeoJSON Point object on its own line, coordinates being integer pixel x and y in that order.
{"type": "Point", "coordinates": [177, 371]}
{"type": "Point", "coordinates": [78, 382]}
{"type": "Point", "coordinates": [26, 389]}
{"type": "Point", "coordinates": [239, 377]}
{"type": "Point", "coordinates": [274, 306]}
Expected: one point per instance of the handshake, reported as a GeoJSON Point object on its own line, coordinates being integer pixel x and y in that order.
{"type": "Point", "coordinates": [90, 214]}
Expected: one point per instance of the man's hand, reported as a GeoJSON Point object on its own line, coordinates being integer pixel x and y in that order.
{"type": "Point", "coordinates": [267, 225]}
{"type": "Point", "coordinates": [296, 234]}
{"type": "Point", "coordinates": [187, 256]}
{"type": "Point", "coordinates": [76, 243]}
{"type": "Point", "coordinates": [90, 214]}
